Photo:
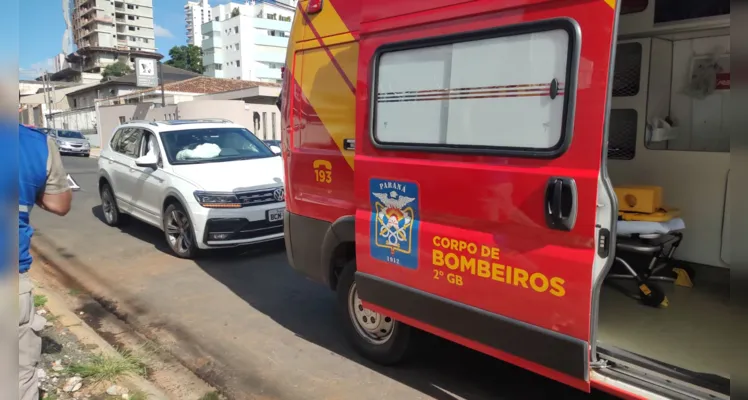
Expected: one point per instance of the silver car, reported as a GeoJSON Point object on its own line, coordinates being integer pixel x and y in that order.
{"type": "Point", "coordinates": [71, 142]}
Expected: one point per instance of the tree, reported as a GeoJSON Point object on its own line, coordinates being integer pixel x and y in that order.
{"type": "Point", "coordinates": [188, 57]}
{"type": "Point", "coordinates": [116, 70]}
{"type": "Point", "coordinates": [235, 12]}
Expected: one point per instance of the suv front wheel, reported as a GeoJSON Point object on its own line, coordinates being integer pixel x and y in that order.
{"type": "Point", "coordinates": [178, 230]}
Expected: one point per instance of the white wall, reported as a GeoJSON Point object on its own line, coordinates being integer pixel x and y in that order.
{"type": "Point", "coordinates": [258, 118]}
{"type": "Point", "coordinates": [259, 54]}
{"type": "Point", "coordinates": [693, 181]}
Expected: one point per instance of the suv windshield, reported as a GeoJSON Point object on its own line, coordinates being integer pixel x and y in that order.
{"type": "Point", "coordinates": [70, 134]}
{"type": "Point", "coordinates": [194, 146]}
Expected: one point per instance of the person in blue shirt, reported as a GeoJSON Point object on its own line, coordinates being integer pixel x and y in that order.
{"type": "Point", "coordinates": [42, 182]}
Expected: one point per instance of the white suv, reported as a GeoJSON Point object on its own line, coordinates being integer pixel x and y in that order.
{"type": "Point", "coordinates": [205, 183]}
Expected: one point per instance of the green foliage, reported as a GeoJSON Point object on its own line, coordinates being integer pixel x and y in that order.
{"type": "Point", "coordinates": [40, 300]}
{"type": "Point", "coordinates": [116, 70]}
{"type": "Point", "coordinates": [211, 396]}
{"type": "Point", "coordinates": [189, 57]}
{"type": "Point", "coordinates": [235, 12]}
{"type": "Point", "coordinates": [109, 368]}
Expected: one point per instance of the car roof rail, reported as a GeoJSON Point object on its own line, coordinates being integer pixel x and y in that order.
{"type": "Point", "coordinates": [197, 121]}
{"type": "Point", "coordinates": [141, 121]}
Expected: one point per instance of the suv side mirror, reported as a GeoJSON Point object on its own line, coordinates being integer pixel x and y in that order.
{"type": "Point", "coordinates": [275, 149]}
{"type": "Point", "coordinates": [147, 161]}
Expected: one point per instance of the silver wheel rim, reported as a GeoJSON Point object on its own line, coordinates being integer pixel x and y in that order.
{"type": "Point", "coordinates": [107, 206]}
{"type": "Point", "coordinates": [374, 327]}
{"type": "Point", "coordinates": [178, 231]}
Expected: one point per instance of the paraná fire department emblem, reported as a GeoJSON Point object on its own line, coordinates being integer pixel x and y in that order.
{"type": "Point", "coordinates": [394, 222]}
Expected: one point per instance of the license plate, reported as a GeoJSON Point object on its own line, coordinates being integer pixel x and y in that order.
{"type": "Point", "coordinates": [275, 215]}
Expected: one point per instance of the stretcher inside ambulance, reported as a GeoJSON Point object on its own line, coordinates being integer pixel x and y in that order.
{"type": "Point", "coordinates": [544, 182]}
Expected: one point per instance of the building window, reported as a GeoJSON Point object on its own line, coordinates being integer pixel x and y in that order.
{"type": "Point", "coordinates": [238, 63]}
{"type": "Point", "coordinates": [237, 46]}
{"type": "Point", "coordinates": [461, 90]}
{"type": "Point", "coordinates": [130, 7]}
{"type": "Point", "coordinates": [236, 29]}
{"type": "Point", "coordinates": [627, 70]}
{"type": "Point", "coordinates": [131, 18]}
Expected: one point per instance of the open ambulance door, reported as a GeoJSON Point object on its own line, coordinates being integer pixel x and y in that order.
{"type": "Point", "coordinates": [477, 169]}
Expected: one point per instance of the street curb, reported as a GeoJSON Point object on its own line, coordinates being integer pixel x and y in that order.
{"type": "Point", "coordinates": [86, 335]}
{"type": "Point", "coordinates": [49, 265]}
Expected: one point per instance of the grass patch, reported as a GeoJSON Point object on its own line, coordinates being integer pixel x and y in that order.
{"type": "Point", "coordinates": [39, 300]}
{"type": "Point", "coordinates": [138, 395]}
{"type": "Point", "coordinates": [211, 396]}
{"type": "Point", "coordinates": [107, 368]}
{"type": "Point", "coordinates": [51, 318]}
{"type": "Point", "coordinates": [74, 292]}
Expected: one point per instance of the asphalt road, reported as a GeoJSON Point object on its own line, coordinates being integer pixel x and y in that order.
{"type": "Point", "coordinates": [246, 321]}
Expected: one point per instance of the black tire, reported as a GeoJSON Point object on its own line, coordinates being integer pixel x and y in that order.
{"type": "Point", "coordinates": [179, 232]}
{"type": "Point", "coordinates": [394, 349]}
{"type": "Point", "coordinates": [112, 214]}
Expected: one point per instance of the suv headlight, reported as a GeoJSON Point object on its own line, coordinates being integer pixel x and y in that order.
{"type": "Point", "coordinates": [217, 200]}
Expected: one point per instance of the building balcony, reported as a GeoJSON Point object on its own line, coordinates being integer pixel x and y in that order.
{"type": "Point", "coordinates": [268, 73]}
{"type": "Point", "coordinates": [270, 24]}
{"type": "Point", "coordinates": [270, 56]}
{"type": "Point", "coordinates": [213, 58]}
{"type": "Point", "coordinates": [212, 26]}
{"type": "Point", "coordinates": [275, 41]}
{"type": "Point", "coordinates": [213, 42]}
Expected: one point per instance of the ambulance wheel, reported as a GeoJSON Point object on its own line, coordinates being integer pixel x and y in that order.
{"type": "Point", "coordinates": [377, 337]}
{"type": "Point", "coordinates": [112, 215]}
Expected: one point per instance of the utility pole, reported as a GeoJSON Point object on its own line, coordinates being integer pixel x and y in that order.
{"type": "Point", "coordinates": [161, 78]}
{"type": "Point", "coordinates": [47, 98]}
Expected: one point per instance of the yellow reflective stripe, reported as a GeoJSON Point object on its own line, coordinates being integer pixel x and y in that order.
{"type": "Point", "coordinates": [611, 3]}
{"type": "Point", "coordinates": [328, 93]}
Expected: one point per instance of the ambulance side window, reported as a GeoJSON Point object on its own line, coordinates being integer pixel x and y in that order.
{"type": "Point", "coordinates": [506, 91]}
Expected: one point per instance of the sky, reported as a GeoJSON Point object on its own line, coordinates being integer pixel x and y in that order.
{"type": "Point", "coordinates": [42, 25]}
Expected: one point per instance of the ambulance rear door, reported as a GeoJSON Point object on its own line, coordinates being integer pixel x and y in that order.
{"type": "Point", "coordinates": [477, 164]}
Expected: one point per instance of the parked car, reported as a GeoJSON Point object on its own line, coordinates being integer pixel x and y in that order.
{"type": "Point", "coordinates": [273, 143]}
{"type": "Point", "coordinates": [206, 184]}
{"type": "Point", "coordinates": [71, 142]}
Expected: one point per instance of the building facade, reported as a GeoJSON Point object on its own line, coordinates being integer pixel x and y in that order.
{"type": "Point", "coordinates": [107, 31]}
{"type": "Point", "coordinates": [247, 41]}
{"type": "Point", "coordinates": [196, 13]}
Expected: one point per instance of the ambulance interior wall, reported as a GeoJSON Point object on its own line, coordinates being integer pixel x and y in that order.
{"type": "Point", "coordinates": [694, 172]}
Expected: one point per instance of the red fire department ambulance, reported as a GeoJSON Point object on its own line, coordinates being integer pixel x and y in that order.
{"type": "Point", "coordinates": [455, 166]}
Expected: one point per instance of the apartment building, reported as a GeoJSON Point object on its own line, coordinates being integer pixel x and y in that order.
{"type": "Point", "coordinates": [248, 41]}
{"type": "Point", "coordinates": [196, 13]}
{"type": "Point", "coordinates": [107, 31]}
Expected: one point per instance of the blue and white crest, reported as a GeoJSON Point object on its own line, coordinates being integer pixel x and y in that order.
{"type": "Point", "coordinates": [394, 222]}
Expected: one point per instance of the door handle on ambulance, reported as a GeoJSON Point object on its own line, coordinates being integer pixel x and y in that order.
{"type": "Point", "coordinates": [560, 203]}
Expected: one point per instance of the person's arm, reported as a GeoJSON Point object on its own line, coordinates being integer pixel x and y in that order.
{"type": "Point", "coordinates": [56, 196]}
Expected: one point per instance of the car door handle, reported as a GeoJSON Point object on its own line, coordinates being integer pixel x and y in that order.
{"type": "Point", "coordinates": [560, 203]}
